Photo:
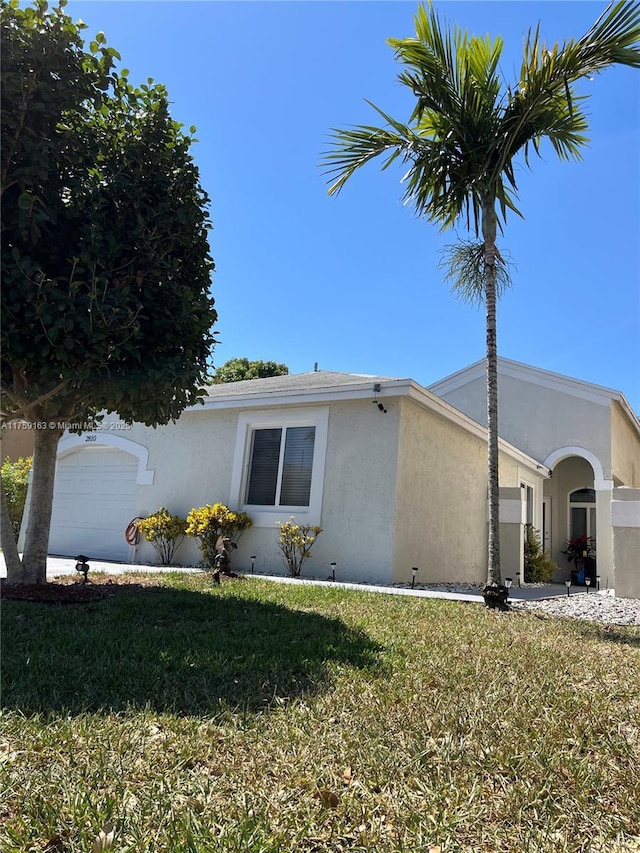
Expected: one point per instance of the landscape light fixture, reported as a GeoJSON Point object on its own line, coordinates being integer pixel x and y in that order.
{"type": "Point", "coordinates": [567, 583]}
{"type": "Point", "coordinates": [508, 582]}
{"type": "Point", "coordinates": [598, 582]}
{"type": "Point", "coordinates": [333, 571]}
{"type": "Point", "coordinates": [253, 562]}
{"type": "Point", "coordinates": [587, 582]}
{"type": "Point", "coordinates": [518, 577]}
{"type": "Point", "coordinates": [413, 579]}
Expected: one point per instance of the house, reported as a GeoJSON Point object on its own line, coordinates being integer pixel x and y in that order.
{"type": "Point", "coordinates": [395, 475]}
{"type": "Point", "coordinates": [589, 439]}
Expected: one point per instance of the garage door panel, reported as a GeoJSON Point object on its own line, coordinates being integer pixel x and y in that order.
{"type": "Point", "coordinates": [94, 500]}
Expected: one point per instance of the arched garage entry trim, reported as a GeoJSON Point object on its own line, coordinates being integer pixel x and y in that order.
{"type": "Point", "coordinates": [564, 452]}
{"type": "Point", "coordinates": [97, 439]}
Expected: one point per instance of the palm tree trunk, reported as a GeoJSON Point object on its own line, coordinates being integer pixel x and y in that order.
{"type": "Point", "coordinates": [489, 227]}
{"type": "Point", "coordinates": [36, 544]}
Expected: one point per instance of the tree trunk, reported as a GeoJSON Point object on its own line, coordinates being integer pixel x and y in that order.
{"type": "Point", "coordinates": [8, 542]}
{"type": "Point", "coordinates": [489, 227]}
{"type": "Point", "coordinates": [36, 543]}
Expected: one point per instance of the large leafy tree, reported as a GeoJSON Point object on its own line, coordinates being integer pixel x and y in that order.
{"type": "Point", "coordinates": [239, 369]}
{"type": "Point", "coordinates": [461, 141]}
{"type": "Point", "coordinates": [106, 264]}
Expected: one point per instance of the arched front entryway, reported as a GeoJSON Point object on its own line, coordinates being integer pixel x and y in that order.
{"type": "Point", "coordinates": [576, 507]}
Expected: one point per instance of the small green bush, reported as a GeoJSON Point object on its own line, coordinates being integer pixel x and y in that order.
{"type": "Point", "coordinates": [208, 523]}
{"type": "Point", "coordinates": [295, 541]}
{"type": "Point", "coordinates": [15, 480]}
{"type": "Point", "coordinates": [538, 565]}
{"type": "Point", "coordinates": [165, 532]}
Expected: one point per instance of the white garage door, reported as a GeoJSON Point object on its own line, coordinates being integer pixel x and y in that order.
{"type": "Point", "coordinates": [94, 500]}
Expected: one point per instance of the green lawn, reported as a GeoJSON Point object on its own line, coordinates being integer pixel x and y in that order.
{"type": "Point", "coordinates": [263, 718]}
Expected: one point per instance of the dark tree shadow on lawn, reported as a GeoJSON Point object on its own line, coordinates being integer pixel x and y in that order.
{"type": "Point", "coordinates": [171, 650]}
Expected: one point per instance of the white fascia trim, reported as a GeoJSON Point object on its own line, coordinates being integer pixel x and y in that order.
{"type": "Point", "coordinates": [297, 397]}
{"type": "Point", "coordinates": [317, 416]}
{"type": "Point", "coordinates": [69, 443]}
{"type": "Point", "coordinates": [433, 403]}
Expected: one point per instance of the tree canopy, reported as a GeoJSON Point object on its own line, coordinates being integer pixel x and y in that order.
{"type": "Point", "coordinates": [238, 369]}
{"type": "Point", "coordinates": [106, 264]}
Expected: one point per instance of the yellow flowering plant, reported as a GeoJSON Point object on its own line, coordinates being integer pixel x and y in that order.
{"type": "Point", "coordinates": [295, 542]}
{"type": "Point", "coordinates": [208, 523]}
{"type": "Point", "coordinates": [164, 531]}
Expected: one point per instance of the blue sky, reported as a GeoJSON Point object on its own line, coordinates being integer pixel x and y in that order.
{"type": "Point", "coordinates": [352, 282]}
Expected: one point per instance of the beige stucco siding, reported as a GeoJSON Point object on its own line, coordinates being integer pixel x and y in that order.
{"type": "Point", "coordinates": [193, 462]}
{"type": "Point", "coordinates": [540, 420]}
{"type": "Point", "coordinates": [625, 448]}
{"type": "Point", "coordinates": [441, 517]}
{"type": "Point", "coordinates": [358, 511]}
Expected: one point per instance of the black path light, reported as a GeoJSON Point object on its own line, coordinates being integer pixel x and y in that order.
{"type": "Point", "coordinates": [253, 563]}
{"type": "Point", "coordinates": [333, 571]}
{"type": "Point", "coordinates": [82, 566]}
{"type": "Point", "coordinates": [587, 581]}
{"type": "Point", "coordinates": [567, 583]}
{"type": "Point", "coordinates": [508, 582]}
{"type": "Point", "coordinates": [518, 579]}
{"type": "Point", "coordinates": [413, 579]}
{"type": "Point", "coordinates": [598, 582]}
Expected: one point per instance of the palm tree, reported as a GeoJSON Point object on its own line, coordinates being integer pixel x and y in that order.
{"type": "Point", "coordinates": [461, 141]}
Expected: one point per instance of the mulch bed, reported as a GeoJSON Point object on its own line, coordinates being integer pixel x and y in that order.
{"type": "Point", "coordinates": [73, 591]}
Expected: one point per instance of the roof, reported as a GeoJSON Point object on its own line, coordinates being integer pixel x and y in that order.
{"type": "Point", "coordinates": [317, 379]}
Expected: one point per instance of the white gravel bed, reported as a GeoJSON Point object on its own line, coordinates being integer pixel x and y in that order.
{"type": "Point", "coordinates": [598, 607]}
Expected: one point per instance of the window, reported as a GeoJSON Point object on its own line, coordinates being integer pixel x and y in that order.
{"type": "Point", "coordinates": [582, 515]}
{"type": "Point", "coordinates": [278, 465]}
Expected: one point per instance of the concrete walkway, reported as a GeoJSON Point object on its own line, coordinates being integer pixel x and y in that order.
{"type": "Point", "coordinates": [57, 566]}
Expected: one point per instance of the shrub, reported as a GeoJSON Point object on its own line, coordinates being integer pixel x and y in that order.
{"type": "Point", "coordinates": [295, 542]}
{"type": "Point", "coordinates": [538, 565]}
{"type": "Point", "coordinates": [165, 532]}
{"type": "Point", "coordinates": [208, 523]}
{"type": "Point", "coordinates": [15, 479]}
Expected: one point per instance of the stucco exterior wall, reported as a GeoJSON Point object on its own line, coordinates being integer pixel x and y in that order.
{"type": "Point", "coordinates": [15, 442]}
{"type": "Point", "coordinates": [626, 541]}
{"type": "Point", "coordinates": [625, 449]}
{"type": "Point", "coordinates": [441, 517]}
{"type": "Point", "coordinates": [193, 461]}
{"type": "Point", "coordinates": [540, 420]}
{"type": "Point", "coordinates": [359, 505]}
{"type": "Point", "coordinates": [358, 501]}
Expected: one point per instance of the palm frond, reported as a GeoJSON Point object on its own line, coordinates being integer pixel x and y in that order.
{"type": "Point", "coordinates": [464, 267]}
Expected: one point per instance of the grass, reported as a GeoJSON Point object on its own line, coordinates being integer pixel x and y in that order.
{"type": "Point", "coordinates": [264, 718]}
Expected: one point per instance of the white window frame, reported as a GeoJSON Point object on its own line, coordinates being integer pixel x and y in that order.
{"type": "Point", "coordinates": [248, 422]}
{"type": "Point", "coordinates": [586, 505]}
